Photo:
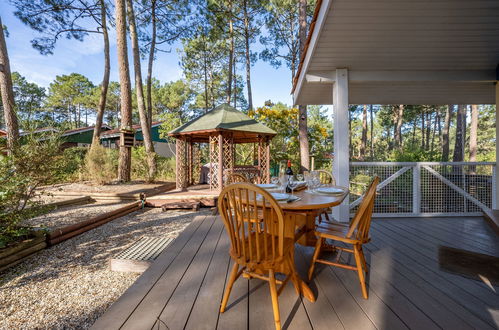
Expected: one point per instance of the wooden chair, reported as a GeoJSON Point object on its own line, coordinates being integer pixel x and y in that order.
{"type": "Point", "coordinates": [235, 178]}
{"type": "Point", "coordinates": [325, 177]}
{"type": "Point", "coordinates": [258, 248]}
{"type": "Point", "coordinates": [356, 235]}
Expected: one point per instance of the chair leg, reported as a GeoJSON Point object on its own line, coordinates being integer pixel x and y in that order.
{"type": "Point", "coordinates": [360, 271]}
{"type": "Point", "coordinates": [363, 259]}
{"type": "Point", "coordinates": [317, 251]}
{"type": "Point", "coordinates": [232, 279]}
{"type": "Point", "coordinates": [326, 215]}
{"type": "Point", "coordinates": [275, 301]}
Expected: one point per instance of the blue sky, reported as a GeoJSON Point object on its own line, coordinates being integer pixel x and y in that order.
{"type": "Point", "coordinates": [87, 58]}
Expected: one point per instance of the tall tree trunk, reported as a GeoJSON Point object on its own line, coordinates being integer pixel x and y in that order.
{"type": "Point", "coordinates": [460, 134]}
{"type": "Point", "coordinates": [399, 114]}
{"type": "Point", "coordinates": [231, 53]}
{"type": "Point", "coordinates": [247, 53]}
{"type": "Point", "coordinates": [371, 122]}
{"type": "Point", "coordinates": [7, 93]}
{"type": "Point", "coordinates": [146, 131]}
{"type": "Point", "coordinates": [423, 120]}
{"type": "Point", "coordinates": [473, 132]}
{"type": "Point", "coordinates": [234, 78]}
{"type": "Point", "coordinates": [105, 80]}
{"type": "Point", "coordinates": [445, 133]}
{"type": "Point", "coordinates": [363, 140]}
{"type": "Point", "coordinates": [428, 130]}
{"type": "Point", "coordinates": [432, 144]}
{"type": "Point", "coordinates": [206, 96]}
{"type": "Point", "coordinates": [302, 109]}
{"type": "Point", "coordinates": [125, 156]}
{"type": "Point", "coordinates": [152, 51]}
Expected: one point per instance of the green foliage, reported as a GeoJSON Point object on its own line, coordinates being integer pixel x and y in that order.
{"type": "Point", "coordinates": [101, 164]}
{"type": "Point", "coordinates": [73, 161]}
{"type": "Point", "coordinates": [140, 167]}
{"type": "Point", "coordinates": [33, 164]}
{"type": "Point", "coordinates": [68, 94]}
{"type": "Point", "coordinates": [140, 170]}
{"type": "Point", "coordinates": [29, 99]}
{"type": "Point", "coordinates": [57, 18]}
{"type": "Point", "coordinates": [285, 146]}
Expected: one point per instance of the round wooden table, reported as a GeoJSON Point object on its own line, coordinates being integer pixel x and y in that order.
{"type": "Point", "coordinates": [305, 210]}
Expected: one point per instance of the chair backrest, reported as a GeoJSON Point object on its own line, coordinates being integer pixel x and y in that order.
{"type": "Point", "coordinates": [361, 222]}
{"type": "Point", "coordinates": [326, 177]}
{"type": "Point", "coordinates": [235, 178]}
{"type": "Point", "coordinates": [254, 222]}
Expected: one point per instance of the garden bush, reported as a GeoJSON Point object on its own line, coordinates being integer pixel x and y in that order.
{"type": "Point", "coordinates": [34, 163]}
{"type": "Point", "coordinates": [101, 164]}
{"type": "Point", "coordinates": [165, 167]}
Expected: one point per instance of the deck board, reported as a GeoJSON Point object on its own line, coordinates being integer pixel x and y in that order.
{"type": "Point", "coordinates": [407, 288]}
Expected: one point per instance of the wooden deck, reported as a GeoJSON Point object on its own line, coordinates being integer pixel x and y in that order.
{"type": "Point", "coordinates": [407, 288]}
{"type": "Point", "coordinates": [197, 193]}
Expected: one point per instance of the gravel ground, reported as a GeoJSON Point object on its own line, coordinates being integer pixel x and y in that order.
{"type": "Point", "coordinates": [70, 284]}
{"type": "Point", "coordinates": [70, 214]}
{"type": "Point", "coordinates": [121, 188]}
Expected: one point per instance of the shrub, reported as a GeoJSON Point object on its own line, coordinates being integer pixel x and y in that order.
{"type": "Point", "coordinates": [73, 164]}
{"type": "Point", "coordinates": [101, 164]}
{"type": "Point", "coordinates": [165, 167]}
{"type": "Point", "coordinates": [35, 163]}
{"type": "Point", "coordinates": [140, 168]}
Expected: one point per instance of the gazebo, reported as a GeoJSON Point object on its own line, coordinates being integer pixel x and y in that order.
{"type": "Point", "coordinates": [221, 128]}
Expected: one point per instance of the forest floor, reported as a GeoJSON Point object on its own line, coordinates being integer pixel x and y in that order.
{"type": "Point", "coordinates": [70, 284]}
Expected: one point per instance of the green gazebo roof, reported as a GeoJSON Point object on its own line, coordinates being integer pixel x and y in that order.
{"type": "Point", "coordinates": [223, 118]}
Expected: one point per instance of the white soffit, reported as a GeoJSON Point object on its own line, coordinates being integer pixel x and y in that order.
{"type": "Point", "coordinates": [404, 51]}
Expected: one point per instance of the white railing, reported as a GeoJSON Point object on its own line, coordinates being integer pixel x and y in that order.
{"type": "Point", "coordinates": [425, 188]}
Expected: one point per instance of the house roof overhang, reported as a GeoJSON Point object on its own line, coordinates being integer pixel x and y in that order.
{"type": "Point", "coordinates": [402, 52]}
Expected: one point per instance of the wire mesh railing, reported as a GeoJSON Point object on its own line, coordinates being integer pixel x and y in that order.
{"type": "Point", "coordinates": [425, 188]}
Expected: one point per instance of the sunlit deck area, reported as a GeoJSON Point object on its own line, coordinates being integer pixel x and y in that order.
{"type": "Point", "coordinates": [410, 284]}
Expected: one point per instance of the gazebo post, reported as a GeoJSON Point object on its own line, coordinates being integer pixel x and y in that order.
{"type": "Point", "coordinates": [189, 162]}
{"type": "Point", "coordinates": [220, 161]}
{"type": "Point", "coordinates": [180, 161]}
{"type": "Point", "coordinates": [267, 150]}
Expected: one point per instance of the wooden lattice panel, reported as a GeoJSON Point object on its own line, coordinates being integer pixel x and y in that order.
{"type": "Point", "coordinates": [182, 164]}
{"type": "Point", "coordinates": [228, 157]}
{"type": "Point", "coordinates": [214, 154]}
{"type": "Point", "coordinates": [196, 164]}
{"type": "Point", "coordinates": [264, 160]}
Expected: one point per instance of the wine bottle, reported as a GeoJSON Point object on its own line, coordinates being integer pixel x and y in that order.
{"type": "Point", "coordinates": [289, 173]}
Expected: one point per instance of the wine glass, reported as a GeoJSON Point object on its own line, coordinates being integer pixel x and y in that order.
{"type": "Point", "coordinates": [299, 177]}
{"type": "Point", "coordinates": [308, 180]}
{"type": "Point", "coordinates": [275, 180]}
{"type": "Point", "coordinates": [283, 179]}
{"type": "Point", "coordinates": [292, 183]}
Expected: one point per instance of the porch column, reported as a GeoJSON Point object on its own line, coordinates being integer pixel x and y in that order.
{"type": "Point", "coordinates": [495, 202]}
{"type": "Point", "coordinates": [341, 162]}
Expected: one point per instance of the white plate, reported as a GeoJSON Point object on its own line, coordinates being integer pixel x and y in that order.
{"type": "Point", "coordinates": [279, 196]}
{"type": "Point", "coordinates": [267, 185]}
{"type": "Point", "coordinates": [330, 190]}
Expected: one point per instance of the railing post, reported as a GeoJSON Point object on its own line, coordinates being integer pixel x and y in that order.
{"type": "Point", "coordinates": [494, 188]}
{"type": "Point", "coordinates": [416, 189]}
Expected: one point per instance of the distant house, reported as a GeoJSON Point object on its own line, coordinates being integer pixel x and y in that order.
{"type": "Point", "coordinates": [111, 139]}
{"type": "Point", "coordinates": [80, 137]}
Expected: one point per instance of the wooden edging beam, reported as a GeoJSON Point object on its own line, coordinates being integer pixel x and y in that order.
{"type": "Point", "coordinates": [62, 234]}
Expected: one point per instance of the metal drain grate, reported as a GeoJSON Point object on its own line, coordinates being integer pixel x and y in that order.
{"type": "Point", "coordinates": [140, 255]}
